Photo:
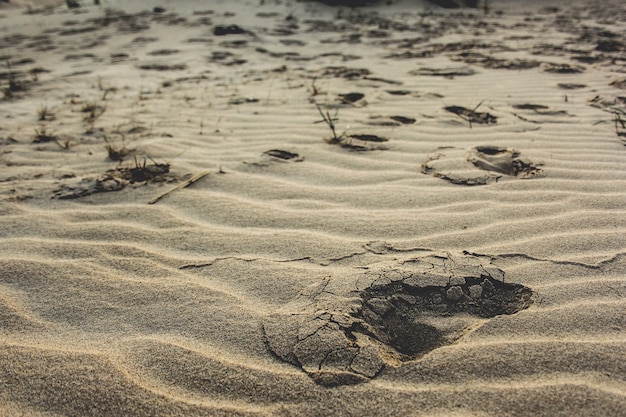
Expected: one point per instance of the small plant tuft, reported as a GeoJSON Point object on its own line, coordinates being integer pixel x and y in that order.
{"type": "Point", "coordinates": [43, 136]}
{"type": "Point", "coordinates": [44, 114]}
{"type": "Point", "coordinates": [65, 144]}
{"type": "Point", "coordinates": [92, 111]}
{"type": "Point", "coordinates": [351, 142]}
{"type": "Point", "coordinates": [15, 85]}
{"type": "Point", "coordinates": [116, 153]}
{"type": "Point", "coordinates": [330, 122]}
{"type": "Point", "coordinates": [105, 90]}
{"type": "Point", "coordinates": [472, 116]}
{"type": "Point", "coordinates": [142, 172]}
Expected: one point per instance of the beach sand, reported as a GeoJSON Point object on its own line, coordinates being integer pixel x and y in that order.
{"type": "Point", "coordinates": [283, 208]}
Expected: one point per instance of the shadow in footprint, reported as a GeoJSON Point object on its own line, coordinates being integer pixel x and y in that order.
{"type": "Point", "coordinates": [503, 160]}
{"type": "Point", "coordinates": [398, 313]}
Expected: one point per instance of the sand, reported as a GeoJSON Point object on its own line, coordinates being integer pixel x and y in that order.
{"type": "Point", "coordinates": [181, 233]}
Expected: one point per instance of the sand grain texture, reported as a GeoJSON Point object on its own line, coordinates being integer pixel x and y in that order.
{"type": "Point", "coordinates": [181, 233]}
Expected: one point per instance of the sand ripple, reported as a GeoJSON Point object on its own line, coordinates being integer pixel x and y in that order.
{"type": "Point", "coordinates": [113, 306]}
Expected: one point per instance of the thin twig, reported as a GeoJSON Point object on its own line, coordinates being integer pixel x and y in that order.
{"type": "Point", "coordinates": [183, 184]}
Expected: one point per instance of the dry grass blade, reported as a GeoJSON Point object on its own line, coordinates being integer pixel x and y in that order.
{"type": "Point", "coordinates": [183, 184]}
{"type": "Point", "coordinates": [472, 116]}
{"type": "Point", "coordinates": [92, 111]}
{"type": "Point", "coordinates": [44, 114]}
{"type": "Point", "coordinates": [14, 85]}
{"type": "Point", "coordinates": [618, 122]}
{"type": "Point", "coordinates": [330, 122]}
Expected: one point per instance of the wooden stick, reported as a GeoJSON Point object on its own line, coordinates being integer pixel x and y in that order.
{"type": "Point", "coordinates": [183, 184]}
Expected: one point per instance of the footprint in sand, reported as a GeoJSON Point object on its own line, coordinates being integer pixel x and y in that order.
{"type": "Point", "coordinates": [346, 331]}
{"type": "Point", "coordinates": [480, 165]}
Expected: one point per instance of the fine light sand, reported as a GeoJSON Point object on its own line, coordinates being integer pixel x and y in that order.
{"type": "Point", "coordinates": [466, 257]}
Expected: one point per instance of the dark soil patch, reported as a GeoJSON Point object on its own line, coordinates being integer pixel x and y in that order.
{"type": "Point", "coordinates": [610, 45]}
{"type": "Point", "coordinates": [368, 138]}
{"type": "Point", "coordinates": [571, 86]}
{"type": "Point", "coordinates": [163, 67]}
{"type": "Point", "coordinates": [23, 61]}
{"type": "Point", "coordinates": [228, 30]}
{"type": "Point", "coordinates": [359, 142]}
{"type": "Point", "coordinates": [487, 61]}
{"type": "Point", "coordinates": [234, 44]}
{"type": "Point", "coordinates": [41, 136]}
{"type": "Point", "coordinates": [119, 57]}
{"type": "Point", "coordinates": [226, 58]}
{"type": "Point", "coordinates": [292, 42]}
{"type": "Point", "coordinates": [472, 116]}
{"type": "Point", "coordinates": [444, 72]}
{"type": "Point", "coordinates": [530, 107]}
{"type": "Point", "coordinates": [345, 72]}
{"type": "Point", "coordinates": [116, 180]}
{"type": "Point", "coordinates": [144, 39]}
{"type": "Point", "coordinates": [399, 92]}
{"type": "Point", "coordinates": [75, 57]}
{"type": "Point", "coordinates": [283, 155]}
{"type": "Point", "coordinates": [563, 68]}
{"type": "Point", "coordinates": [403, 120]}
{"type": "Point", "coordinates": [351, 97]}
{"type": "Point", "coordinates": [164, 52]}
{"type": "Point", "coordinates": [242, 100]}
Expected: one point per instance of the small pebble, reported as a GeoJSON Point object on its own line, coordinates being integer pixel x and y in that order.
{"type": "Point", "coordinates": [454, 293]}
{"type": "Point", "coordinates": [475, 291]}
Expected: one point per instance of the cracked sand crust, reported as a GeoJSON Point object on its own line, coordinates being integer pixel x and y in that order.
{"type": "Point", "coordinates": [346, 331]}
